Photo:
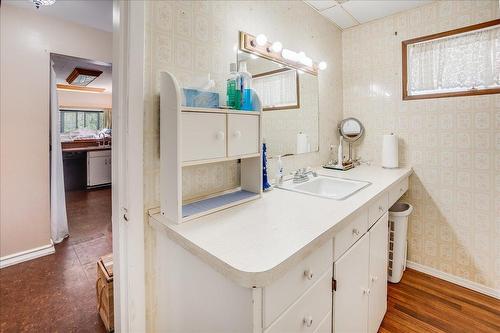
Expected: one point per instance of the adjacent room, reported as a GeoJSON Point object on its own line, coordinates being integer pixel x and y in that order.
{"type": "Point", "coordinates": [326, 166]}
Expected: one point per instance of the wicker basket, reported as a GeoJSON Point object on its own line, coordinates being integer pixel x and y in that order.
{"type": "Point", "coordinates": [104, 290]}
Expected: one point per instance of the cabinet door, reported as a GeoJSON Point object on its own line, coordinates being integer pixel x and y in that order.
{"type": "Point", "coordinates": [98, 170]}
{"type": "Point", "coordinates": [350, 300]}
{"type": "Point", "coordinates": [378, 274]}
{"type": "Point", "coordinates": [203, 136]}
{"type": "Point", "coordinates": [243, 134]}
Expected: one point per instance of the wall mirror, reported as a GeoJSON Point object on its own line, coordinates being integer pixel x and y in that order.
{"type": "Point", "coordinates": [290, 121]}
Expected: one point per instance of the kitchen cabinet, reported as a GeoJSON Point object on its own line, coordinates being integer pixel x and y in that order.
{"type": "Point", "coordinates": [98, 168]}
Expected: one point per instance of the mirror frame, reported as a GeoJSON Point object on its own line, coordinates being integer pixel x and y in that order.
{"type": "Point", "coordinates": [297, 83]}
{"type": "Point", "coordinates": [351, 138]}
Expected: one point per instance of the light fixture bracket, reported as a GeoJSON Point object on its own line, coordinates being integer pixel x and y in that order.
{"type": "Point", "coordinates": [248, 44]}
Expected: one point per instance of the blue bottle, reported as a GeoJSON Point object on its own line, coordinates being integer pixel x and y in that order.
{"type": "Point", "coordinates": [265, 182]}
{"type": "Point", "coordinates": [246, 87]}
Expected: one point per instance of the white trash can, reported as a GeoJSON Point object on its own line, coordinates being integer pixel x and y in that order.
{"type": "Point", "coordinates": [398, 229]}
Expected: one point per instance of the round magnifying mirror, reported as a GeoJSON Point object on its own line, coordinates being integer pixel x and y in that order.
{"type": "Point", "coordinates": [351, 129]}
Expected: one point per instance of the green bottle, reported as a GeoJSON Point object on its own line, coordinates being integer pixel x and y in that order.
{"type": "Point", "coordinates": [233, 88]}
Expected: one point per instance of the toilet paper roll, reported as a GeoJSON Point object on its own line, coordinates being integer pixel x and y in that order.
{"type": "Point", "coordinates": [301, 143]}
{"type": "Point", "coordinates": [390, 151]}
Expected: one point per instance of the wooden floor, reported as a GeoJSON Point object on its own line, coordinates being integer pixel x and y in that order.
{"type": "Point", "coordinates": [422, 303]}
{"type": "Point", "coordinates": [56, 293]}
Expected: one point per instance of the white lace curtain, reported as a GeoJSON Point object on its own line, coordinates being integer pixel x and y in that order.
{"type": "Point", "coordinates": [279, 89]}
{"type": "Point", "coordinates": [455, 63]}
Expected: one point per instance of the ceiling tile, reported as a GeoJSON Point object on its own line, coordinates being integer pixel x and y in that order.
{"type": "Point", "coordinates": [368, 10]}
{"type": "Point", "coordinates": [322, 4]}
{"type": "Point", "coordinates": [340, 17]}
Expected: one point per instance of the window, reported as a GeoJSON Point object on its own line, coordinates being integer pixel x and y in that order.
{"type": "Point", "coordinates": [71, 120]}
{"type": "Point", "coordinates": [278, 90]}
{"type": "Point", "coordinates": [459, 62]}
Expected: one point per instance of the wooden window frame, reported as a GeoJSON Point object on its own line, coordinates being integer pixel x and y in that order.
{"type": "Point", "coordinates": [471, 92]}
{"type": "Point", "coordinates": [277, 71]}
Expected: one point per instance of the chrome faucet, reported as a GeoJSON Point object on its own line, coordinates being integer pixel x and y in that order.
{"type": "Point", "coordinates": [301, 175]}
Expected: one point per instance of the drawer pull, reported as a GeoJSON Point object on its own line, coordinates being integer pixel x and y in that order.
{"type": "Point", "coordinates": [237, 134]}
{"type": "Point", "coordinates": [374, 278]}
{"type": "Point", "coordinates": [381, 208]}
{"type": "Point", "coordinates": [308, 321]}
{"type": "Point", "coordinates": [355, 231]}
{"type": "Point", "coordinates": [220, 135]}
{"type": "Point", "coordinates": [308, 274]}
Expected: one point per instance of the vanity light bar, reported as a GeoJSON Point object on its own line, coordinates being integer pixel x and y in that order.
{"type": "Point", "coordinates": [259, 45]}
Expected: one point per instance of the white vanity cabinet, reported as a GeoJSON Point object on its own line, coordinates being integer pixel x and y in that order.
{"type": "Point", "coordinates": [360, 298]}
{"type": "Point", "coordinates": [339, 286]}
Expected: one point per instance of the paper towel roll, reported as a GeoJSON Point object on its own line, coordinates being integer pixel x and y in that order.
{"type": "Point", "coordinates": [390, 151]}
{"type": "Point", "coordinates": [301, 143]}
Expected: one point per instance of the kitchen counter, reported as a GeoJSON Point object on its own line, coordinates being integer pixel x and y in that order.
{"type": "Point", "coordinates": [255, 243]}
{"type": "Point", "coordinates": [84, 149]}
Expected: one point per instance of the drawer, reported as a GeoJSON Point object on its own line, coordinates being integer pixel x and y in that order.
{"type": "Point", "coordinates": [308, 312]}
{"type": "Point", "coordinates": [378, 208]}
{"type": "Point", "coordinates": [243, 134]}
{"type": "Point", "coordinates": [283, 292]}
{"type": "Point", "coordinates": [353, 231]}
{"type": "Point", "coordinates": [203, 136]}
{"type": "Point", "coordinates": [397, 191]}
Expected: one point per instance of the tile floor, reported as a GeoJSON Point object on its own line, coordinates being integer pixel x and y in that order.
{"type": "Point", "coordinates": [56, 293]}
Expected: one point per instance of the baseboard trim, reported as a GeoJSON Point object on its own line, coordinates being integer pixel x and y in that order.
{"type": "Point", "coordinates": [455, 279]}
{"type": "Point", "coordinates": [20, 257]}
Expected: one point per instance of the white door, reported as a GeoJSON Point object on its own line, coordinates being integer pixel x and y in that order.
{"type": "Point", "coordinates": [203, 136]}
{"type": "Point", "coordinates": [378, 274]}
{"type": "Point", "coordinates": [243, 134]}
{"type": "Point", "coordinates": [350, 300]}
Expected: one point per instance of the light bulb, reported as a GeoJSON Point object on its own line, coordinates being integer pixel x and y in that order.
{"type": "Point", "coordinates": [322, 65]}
{"type": "Point", "coordinates": [277, 47]}
{"type": "Point", "coordinates": [289, 55]}
{"type": "Point", "coordinates": [261, 39]}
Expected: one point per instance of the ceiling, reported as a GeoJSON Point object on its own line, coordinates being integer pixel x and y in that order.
{"type": "Point", "coordinates": [96, 14]}
{"type": "Point", "coordinates": [64, 65]}
{"type": "Point", "coordinates": [349, 13]}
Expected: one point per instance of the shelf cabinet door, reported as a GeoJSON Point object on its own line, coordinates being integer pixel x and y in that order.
{"type": "Point", "coordinates": [378, 273]}
{"type": "Point", "coordinates": [351, 297]}
{"type": "Point", "coordinates": [243, 134]}
{"type": "Point", "coordinates": [203, 136]}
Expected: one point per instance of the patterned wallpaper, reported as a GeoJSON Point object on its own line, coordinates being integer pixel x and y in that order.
{"type": "Point", "coordinates": [452, 143]}
{"type": "Point", "coordinates": [194, 38]}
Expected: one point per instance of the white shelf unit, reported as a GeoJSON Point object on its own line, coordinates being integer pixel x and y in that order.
{"type": "Point", "coordinates": [193, 136]}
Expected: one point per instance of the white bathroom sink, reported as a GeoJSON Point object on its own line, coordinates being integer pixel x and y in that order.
{"type": "Point", "coordinates": [326, 187]}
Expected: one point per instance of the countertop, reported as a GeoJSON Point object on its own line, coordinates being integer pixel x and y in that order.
{"type": "Point", "coordinates": [80, 149]}
{"type": "Point", "coordinates": [255, 243]}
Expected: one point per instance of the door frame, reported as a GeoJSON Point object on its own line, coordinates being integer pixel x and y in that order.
{"type": "Point", "coordinates": [127, 166]}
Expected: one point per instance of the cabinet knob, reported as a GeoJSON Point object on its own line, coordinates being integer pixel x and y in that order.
{"type": "Point", "coordinates": [355, 231]}
{"type": "Point", "coordinates": [401, 190]}
{"type": "Point", "coordinates": [220, 135]}
{"type": "Point", "coordinates": [308, 321]}
{"type": "Point", "coordinates": [374, 278]}
{"type": "Point", "coordinates": [237, 134]}
{"type": "Point", "coordinates": [366, 291]}
{"type": "Point", "coordinates": [308, 274]}
{"type": "Point", "coordinates": [381, 208]}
